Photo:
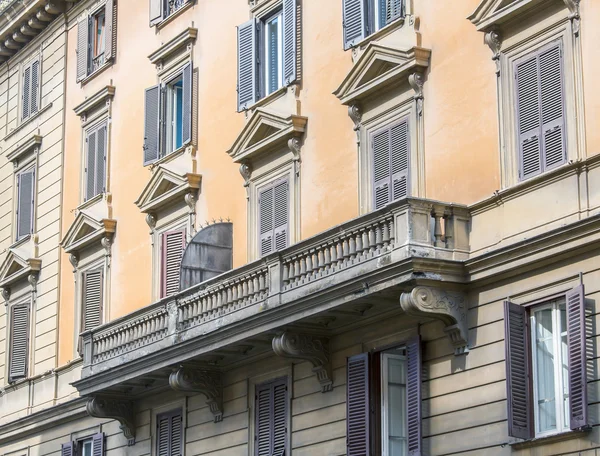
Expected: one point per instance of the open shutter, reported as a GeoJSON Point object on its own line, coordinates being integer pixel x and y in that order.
{"type": "Point", "coordinates": [281, 211]}
{"type": "Point", "coordinates": [393, 10]}
{"type": "Point", "coordinates": [577, 358]}
{"type": "Point", "coordinates": [25, 201]}
{"type": "Point", "coordinates": [357, 403]}
{"type": "Point", "coordinates": [173, 244]}
{"type": "Point", "coordinates": [35, 86]}
{"type": "Point", "coordinates": [90, 171]}
{"type": "Point", "coordinates": [169, 433]}
{"type": "Point", "coordinates": [68, 449]}
{"type": "Point", "coordinates": [289, 41]}
{"type": "Point", "coordinates": [187, 104]}
{"type": "Point", "coordinates": [101, 160]}
{"type": "Point", "coordinates": [111, 29]}
{"type": "Point", "coordinates": [247, 62]}
{"type": "Point", "coordinates": [19, 342]}
{"type": "Point", "coordinates": [98, 444]}
{"type": "Point", "coordinates": [528, 114]}
{"type": "Point", "coordinates": [517, 371]}
{"type": "Point", "coordinates": [413, 396]}
{"type": "Point", "coordinates": [152, 124]}
{"type": "Point", "coordinates": [26, 98]}
{"type": "Point", "coordinates": [271, 418]}
{"type": "Point", "coordinates": [156, 11]}
{"type": "Point", "coordinates": [82, 48]}
{"type": "Point", "coordinates": [92, 297]}
{"type": "Point", "coordinates": [265, 220]}
{"type": "Point", "coordinates": [380, 149]}
{"type": "Point", "coordinates": [354, 22]}
{"type": "Point", "coordinates": [551, 95]}
{"type": "Point", "coordinates": [399, 149]}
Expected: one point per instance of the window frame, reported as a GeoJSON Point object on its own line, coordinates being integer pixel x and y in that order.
{"type": "Point", "coordinates": [93, 34]}
{"type": "Point", "coordinates": [171, 407]}
{"type": "Point", "coordinates": [86, 28]}
{"type": "Point", "coordinates": [384, 394]}
{"type": "Point", "coordinates": [263, 69]}
{"type": "Point", "coordinates": [272, 184]}
{"type": "Point", "coordinates": [169, 129]}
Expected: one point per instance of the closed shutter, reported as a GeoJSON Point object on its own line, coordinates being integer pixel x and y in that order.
{"type": "Point", "coordinates": [265, 220]}
{"type": "Point", "coordinates": [82, 48]}
{"type": "Point", "coordinates": [26, 98]}
{"type": "Point", "coordinates": [273, 217]}
{"type": "Point", "coordinates": [19, 342]}
{"type": "Point", "coordinates": [152, 120]}
{"type": "Point", "coordinates": [380, 148]}
{"type": "Point", "coordinates": [156, 11]}
{"type": "Point", "coordinates": [551, 95]}
{"type": "Point", "coordinates": [357, 403]}
{"type": "Point", "coordinates": [399, 150]}
{"type": "Point", "coordinates": [101, 160]}
{"type": "Point", "coordinates": [110, 37]}
{"type": "Point", "coordinates": [577, 358]}
{"type": "Point", "coordinates": [187, 104]}
{"type": "Point", "coordinates": [25, 202]}
{"type": "Point", "coordinates": [35, 87]}
{"type": "Point", "coordinates": [92, 299]}
{"type": "Point", "coordinates": [413, 396]}
{"type": "Point", "coordinates": [90, 170]}
{"type": "Point", "coordinates": [518, 373]}
{"type": "Point", "coordinates": [247, 62]}
{"type": "Point", "coordinates": [354, 22]}
{"type": "Point", "coordinates": [169, 433]}
{"type": "Point", "coordinates": [68, 449]}
{"type": "Point", "coordinates": [98, 444]}
{"type": "Point", "coordinates": [173, 244]}
{"type": "Point", "coordinates": [289, 41]}
{"type": "Point", "coordinates": [271, 418]}
{"type": "Point", "coordinates": [393, 10]}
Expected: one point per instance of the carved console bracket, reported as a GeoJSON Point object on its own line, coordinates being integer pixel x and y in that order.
{"type": "Point", "coordinates": [308, 348]}
{"type": "Point", "coordinates": [115, 408]}
{"type": "Point", "coordinates": [493, 39]}
{"type": "Point", "coordinates": [190, 380]}
{"type": "Point", "coordinates": [574, 16]}
{"type": "Point", "coordinates": [416, 82]}
{"type": "Point", "coordinates": [449, 307]}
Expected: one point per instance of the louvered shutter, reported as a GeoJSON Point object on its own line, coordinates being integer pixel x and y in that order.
{"type": "Point", "coordinates": [357, 403]}
{"type": "Point", "coordinates": [528, 106]}
{"type": "Point", "coordinates": [247, 62]}
{"type": "Point", "coordinates": [518, 373]}
{"type": "Point", "coordinates": [354, 22]}
{"type": "Point", "coordinates": [111, 28]}
{"type": "Point", "coordinates": [173, 243]}
{"type": "Point", "coordinates": [265, 220]}
{"type": "Point", "coordinates": [19, 342]}
{"type": "Point", "coordinates": [98, 444]}
{"type": "Point", "coordinates": [68, 449]}
{"type": "Point", "coordinates": [380, 149]}
{"type": "Point", "coordinates": [551, 95]}
{"type": "Point", "coordinates": [187, 103]}
{"type": "Point", "coordinates": [26, 98]}
{"type": "Point", "coordinates": [156, 11]}
{"type": "Point", "coordinates": [577, 358]}
{"type": "Point", "coordinates": [169, 433]}
{"type": "Point", "coordinates": [152, 120]}
{"type": "Point", "coordinates": [25, 202]}
{"type": "Point", "coordinates": [35, 86]}
{"type": "Point", "coordinates": [90, 171]}
{"type": "Point", "coordinates": [393, 10]}
{"type": "Point", "coordinates": [281, 210]}
{"type": "Point", "coordinates": [262, 423]}
{"type": "Point", "coordinates": [92, 298]}
{"type": "Point", "coordinates": [271, 418]}
{"type": "Point", "coordinates": [413, 396]}
{"type": "Point", "coordinates": [400, 151]}
{"type": "Point", "coordinates": [82, 48]}
{"type": "Point", "coordinates": [101, 160]}
{"type": "Point", "coordinates": [289, 40]}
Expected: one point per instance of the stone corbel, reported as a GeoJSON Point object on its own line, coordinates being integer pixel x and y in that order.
{"type": "Point", "coordinates": [74, 260]}
{"type": "Point", "coordinates": [32, 278]}
{"type": "Point", "coordinates": [574, 16]}
{"type": "Point", "coordinates": [246, 172]}
{"type": "Point", "coordinates": [449, 307]}
{"type": "Point", "coordinates": [190, 380]}
{"type": "Point", "coordinates": [308, 348]}
{"type": "Point", "coordinates": [416, 82]}
{"type": "Point", "coordinates": [151, 221]}
{"type": "Point", "coordinates": [106, 243]}
{"type": "Point", "coordinates": [6, 295]}
{"type": "Point", "coordinates": [190, 201]}
{"type": "Point", "coordinates": [294, 147]}
{"type": "Point", "coordinates": [493, 39]}
{"type": "Point", "coordinates": [115, 408]}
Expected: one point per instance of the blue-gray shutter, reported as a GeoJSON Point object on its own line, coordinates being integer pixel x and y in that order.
{"type": "Point", "coordinates": [552, 104]}
{"type": "Point", "coordinates": [25, 202]}
{"type": "Point", "coordinates": [578, 412]}
{"type": "Point", "coordinates": [358, 406]}
{"type": "Point", "coordinates": [380, 150]}
{"type": "Point", "coordinates": [528, 116]}
{"type": "Point", "coordinates": [35, 86]}
{"type": "Point", "coordinates": [101, 159]}
{"type": "Point", "coordinates": [518, 371]}
{"type": "Point", "coordinates": [271, 418]}
{"type": "Point", "coordinates": [394, 9]}
{"type": "Point", "coordinates": [265, 220]}
{"type": "Point", "coordinates": [173, 245]}
{"type": "Point", "coordinates": [169, 433]}
{"type": "Point", "coordinates": [92, 299]}
{"type": "Point", "coordinates": [413, 396]}
{"type": "Point", "coordinates": [247, 64]}
{"type": "Point", "coordinates": [281, 214]}
{"type": "Point", "coordinates": [399, 159]}
{"type": "Point", "coordinates": [187, 103]}
{"type": "Point", "coordinates": [110, 37]}
{"type": "Point", "coordinates": [90, 170]}
{"type": "Point", "coordinates": [82, 48]}
{"type": "Point", "coordinates": [67, 449]}
{"type": "Point", "coordinates": [26, 97]}
{"type": "Point", "coordinates": [98, 444]}
{"type": "Point", "coordinates": [19, 342]}
{"type": "Point", "coordinates": [152, 114]}
{"type": "Point", "coordinates": [290, 23]}
{"type": "Point", "coordinates": [354, 22]}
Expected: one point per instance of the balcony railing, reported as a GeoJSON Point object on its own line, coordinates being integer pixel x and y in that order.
{"type": "Point", "coordinates": [408, 228]}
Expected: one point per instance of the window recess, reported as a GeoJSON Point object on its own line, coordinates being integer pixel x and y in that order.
{"type": "Point", "coordinates": [96, 39]}
{"type": "Point", "coordinates": [362, 18]}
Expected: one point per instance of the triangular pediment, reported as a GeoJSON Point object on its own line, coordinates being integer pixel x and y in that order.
{"type": "Point", "coordinates": [377, 68]}
{"type": "Point", "coordinates": [165, 186]}
{"type": "Point", "coordinates": [17, 266]}
{"type": "Point", "coordinates": [85, 230]}
{"type": "Point", "coordinates": [492, 13]}
{"type": "Point", "coordinates": [264, 131]}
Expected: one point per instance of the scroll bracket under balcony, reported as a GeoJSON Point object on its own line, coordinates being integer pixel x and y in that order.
{"type": "Point", "coordinates": [449, 307]}
{"type": "Point", "coordinates": [308, 348]}
{"type": "Point", "coordinates": [115, 408]}
{"type": "Point", "coordinates": [190, 380]}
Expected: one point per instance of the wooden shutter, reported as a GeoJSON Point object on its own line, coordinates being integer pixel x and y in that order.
{"type": "Point", "coordinates": [528, 108]}
{"type": "Point", "coordinates": [68, 449]}
{"type": "Point", "coordinates": [271, 418]}
{"type": "Point", "coordinates": [393, 10]}
{"type": "Point", "coordinates": [265, 220]}
{"type": "Point", "coordinates": [82, 48]}
{"type": "Point", "coordinates": [413, 396]}
{"type": "Point", "coordinates": [289, 41]}
{"type": "Point", "coordinates": [354, 22]}
{"type": "Point", "coordinates": [98, 444]}
{"type": "Point", "coordinates": [577, 358]}
{"type": "Point", "coordinates": [90, 169]}
{"type": "Point", "coordinates": [35, 86]}
{"type": "Point", "coordinates": [25, 202]}
{"type": "Point", "coordinates": [281, 211]}
{"type": "Point", "coordinates": [169, 433]}
{"type": "Point", "coordinates": [26, 97]}
{"type": "Point", "coordinates": [173, 244]}
{"type": "Point", "coordinates": [247, 62]}
{"type": "Point", "coordinates": [19, 342]}
{"type": "Point", "coordinates": [187, 103]}
{"type": "Point", "coordinates": [156, 11]}
{"type": "Point", "coordinates": [399, 160]}
{"type": "Point", "coordinates": [152, 133]}
{"type": "Point", "coordinates": [518, 374]}
{"type": "Point", "coordinates": [101, 160]}
{"type": "Point", "coordinates": [110, 33]}
{"type": "Point", "coordinates": [380, 149]}
{"type": "Point", "coordinates": [92, 299]}
{"type": "Point", "coordinates": [357, 403]}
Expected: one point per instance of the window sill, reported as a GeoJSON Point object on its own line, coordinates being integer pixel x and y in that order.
{"type": "Point", "coordinates": [21, 242]}
{"type": "Point", "coordinates": [560, 437]}
{"type": "Point", "coordinates": [28, 121]}
{"type": "Point", "coordinates": [172, 155]}
{"type": "Point", "coordinates": [173, 16]}
{"type": "Point", "coordinates": [268, 99]}
{"type": "Point", "coordinates": [95, 73]}
{"type": "Point", "coordinates": [398, 23]}
{"type": "Point", "coordinates": [91, 202]}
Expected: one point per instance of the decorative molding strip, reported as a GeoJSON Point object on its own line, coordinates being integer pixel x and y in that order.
{"type": "Point", "coordinates": [104, 95]}
{"type": "Point", "coordinates": [449, 307]}
{"type": "Point", "coordinates": [308, 348]}
{"type": "Point", "coordinates": [32, 143]}
{"type": "Point", "coordinates": [186, 37]}
{"type": "Point", "coordinates": [115, 408]}
{"type": "Point", "coordinates": [207, 382]}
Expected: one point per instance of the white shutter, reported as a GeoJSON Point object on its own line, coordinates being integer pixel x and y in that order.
{"type": "Point", "coordinates": [265, 221]}
{"type": "Point", "coordinates": [83, 48]}
{"type": "Point", "coordinates": [290, 53]}
{"type": "Point", "coordinates": [156, 11]}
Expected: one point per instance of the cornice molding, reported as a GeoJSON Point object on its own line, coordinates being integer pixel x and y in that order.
{"type": "Point", "coordinates": [186, 37]}
{"type": "Point", "coordinates": [190, 380]}
{"type": "Point", "coordinates": [115, 408]}
{"type": "Point", "coordinates": [86, 230]}
{"type": "Point", "coordinates": [176, 186]}
{"type": "Point", "coordinates": [31, 144]}
{"type": "Point", "coordinates": [25, 267]}
{"type": "Point", "coordinates": [102, 96]}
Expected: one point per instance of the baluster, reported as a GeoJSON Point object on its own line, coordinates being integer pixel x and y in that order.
{"type": "Point", "coordinates": [309, 265]}
{"type": "Point", "coordinates": [352, 248]}
{"type": "Point", "coordinates": [286, 273]}
{"type": "Point", "coordinates": [359, 245]}
{"type": "Point", "coordinates": [339, 253]}
{"type": "Point", "coordinates": [392, 233]}
{"type": "Point", "coordinates": [297, 270]}
{"type": "Point", "coordinates": [320, 260]}
{"type": "Point", "coordinates": [327, 258]}
{"type": "Point", "coordinates": [261, 282]}
{"type": "Point", "coordinates": [255, 285]}
{"type": "Point", "coordinates": [371, 239]}
{"type": "Point", "coordinates": [385, 234]}
{"type": "Point", "coordinates": [437, 232]}
{"type": "Point", "coordinates": [378, 237]}
{"type": "Point", "coordinates": [449, 231]}
{"type": "Point", "coordinates": [365, 241]}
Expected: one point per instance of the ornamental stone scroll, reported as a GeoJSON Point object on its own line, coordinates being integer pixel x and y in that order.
{"type": "Point", "coordinates": [115, 408]}
{"type": "Point", "coordinates": [207, 382]}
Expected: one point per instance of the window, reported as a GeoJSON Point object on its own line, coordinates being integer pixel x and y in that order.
{"type": "Point", "coordinates": [168, 116]}
{"type": "Point", "coordinates": [19, 342]}
{"type": "Point", "coordinates": [169, 433]}
{"type": "Point", "coordinates": [30, 98]}
{"type": "Point", "coordinates": [267, 54]}
{"type": "Point", "coordinates": [162, 9]}
{"type": "Point", "coordinates": [539, 96]}
{"type": "Point", "coordinates": [384, 402]}
{"type": "Point", "coordinates": [362, 18]}
{"type": "Point", "coordinates": [271, 428]}
{"type": "Point", "coordinates": [95, 161]}
{"type": "Point", "coordinates": [92, 298]}
{"type": "Point", "coordinates": [273, 216]}
{"type": "Point", "coordinates": [172, 246]}
{"type": "Point", "coordinates": [88, 446]}
{"type": "Point", "coordinates": [390, 151]}
{"type": "Point", "coordinates": [545, 345]}
{"type": "Point", "coordinates": [25, 203]}
{"type": "Point", "coordinates": [96, 39]}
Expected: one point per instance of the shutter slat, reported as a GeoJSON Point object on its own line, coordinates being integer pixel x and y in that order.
{"type": "Point", "coordinates": [26, 92]}
{"type": "Point", "coordinates": [91, 165]}
{"type": "Point", "coordinates": [98, 444]}
{"type": "Point", "coordinates": [575, 303]}
{"type": "Point", "coordinates": [281, 209]}
{"type": "Point", "coordinates": [35, 86]}
{"type": "Point", "coordinates": [357, 403]}
{"type": "Point", "coordinates": [152, 124]}
{"type": "Point", "coordinates": [187, 104]}
{"type": "Point", "coordinates": [82, 48]}
{"type": "Point", "coordinates": [380, 149]}
{"type": "Point", "coordinates": [25, 197]}
{"type": "Point", "coordinates": [354, 22]}
{"type": "Point", "coordinates": [173, 243]}
{"type": "Point", "coordinates": [289, 40]}
{"type": "Point", "coordinates": [247, 55]}
{"type": "Point", "coordinates": [271, 418]}
{"type": "Point", "coordinates": [266, 222]}
{"type": "Point", "coordinates": [413, 396]}
{"type": "Point", "coordinates": [176, 435]}
{"type": "Point", "coordinates": [518, 373]}
{"type": "Point", "coordinates": [19, 342]}
{"type": "Point", "coordinates": [68, 449]}
{"type": "Point", "coordinates": [93, 285]}
{"type": "Point", "coordinates": [399, 151]}
{"type": "Point", "coordinates": [101, 161]}
{"type": "Point", "coordinates": [528, 106]}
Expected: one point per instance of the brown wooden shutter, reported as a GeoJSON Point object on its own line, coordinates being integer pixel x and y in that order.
{"type": "Point", "coordinates": [152, 130]}
{"type": "Point", "coordinates": [82, 48]}
{"type": "Point", "coordinates": [399, 159]}
{"type": "Point", "coordinates": [92, 299]}
{"type": "Point", "coordinates": [265, 220]}
{"type": "Point", "coordinates": [577, 358]}
{"type": "Point", "coordinates": [19, 342]}
{"type": "Point", "coordinates": [247, 58]}
{"type": "Point", "coordinates": [281, 211]}
{"type": "Point", "coordinates": [354, 22]}
{"type": "Point", "coordinates": [156, 11]}
{"type": "Point", "coordinates": [169, 433]}
{"type": "Point", "coordinates": [91, 142]}
{"type": "Point", "coordinates": [518, 373]}
{"type": "Point", "coordinates": [357, 404]}
{"type": "Point", "coordinates": [173, 244]}
{"type": "Point", "coordinates": [289, 41]}
{"type": "Point", "coordinates": [380, 149]}
{"type": "Point", "coordinates": [187, 103]}
{"type": "Point", "coordinates": [68, 449]}
{"type": "Point", "coordinates": [413, 396]}
{"type": "Point", "coordinates": [98, 444]}
{"type": "Point", "coordinates": [25, 202]}
{"type": "Point", "coordinates": [271, 418]}
{"type": "Point", "coordinates": [35, 87]}
{"type": "Point", "coordinates": [26, 97]}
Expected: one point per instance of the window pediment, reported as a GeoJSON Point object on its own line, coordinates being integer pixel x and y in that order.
{"type": "Point", "coordinates": [31, 144]}
{"type": "Point", "coordinates": [165, 187]}
{"type": "Point", "coordinates": [378, 68]}
{"type": "Point", "coordinates": [491, 13]}
{"type": "Point", "coordinates": [264, 131]}
{"type": "Point", "coordinates": [87, 229]}
{"type": "Point", "coordinates": [18, 264]}
{"type": "Point", "coordinates": [171, 47]}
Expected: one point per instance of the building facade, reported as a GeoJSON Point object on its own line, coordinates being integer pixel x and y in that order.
{"type": "Point", "coordinates": [291, 227]}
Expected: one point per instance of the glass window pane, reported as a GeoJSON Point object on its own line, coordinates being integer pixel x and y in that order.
{"type": "Point", "coordinates": [396, 404]}
{"type": "Point", "coordinates": [86, 448]}
{"type": "Point", "coordinates": [544, 354]}
{"type": "Point", "coordinates": [272, 51]}
{"type": "Point", "coordinates": [178, 114]}
{"type": "Point", "coordinates": [564, 344]}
